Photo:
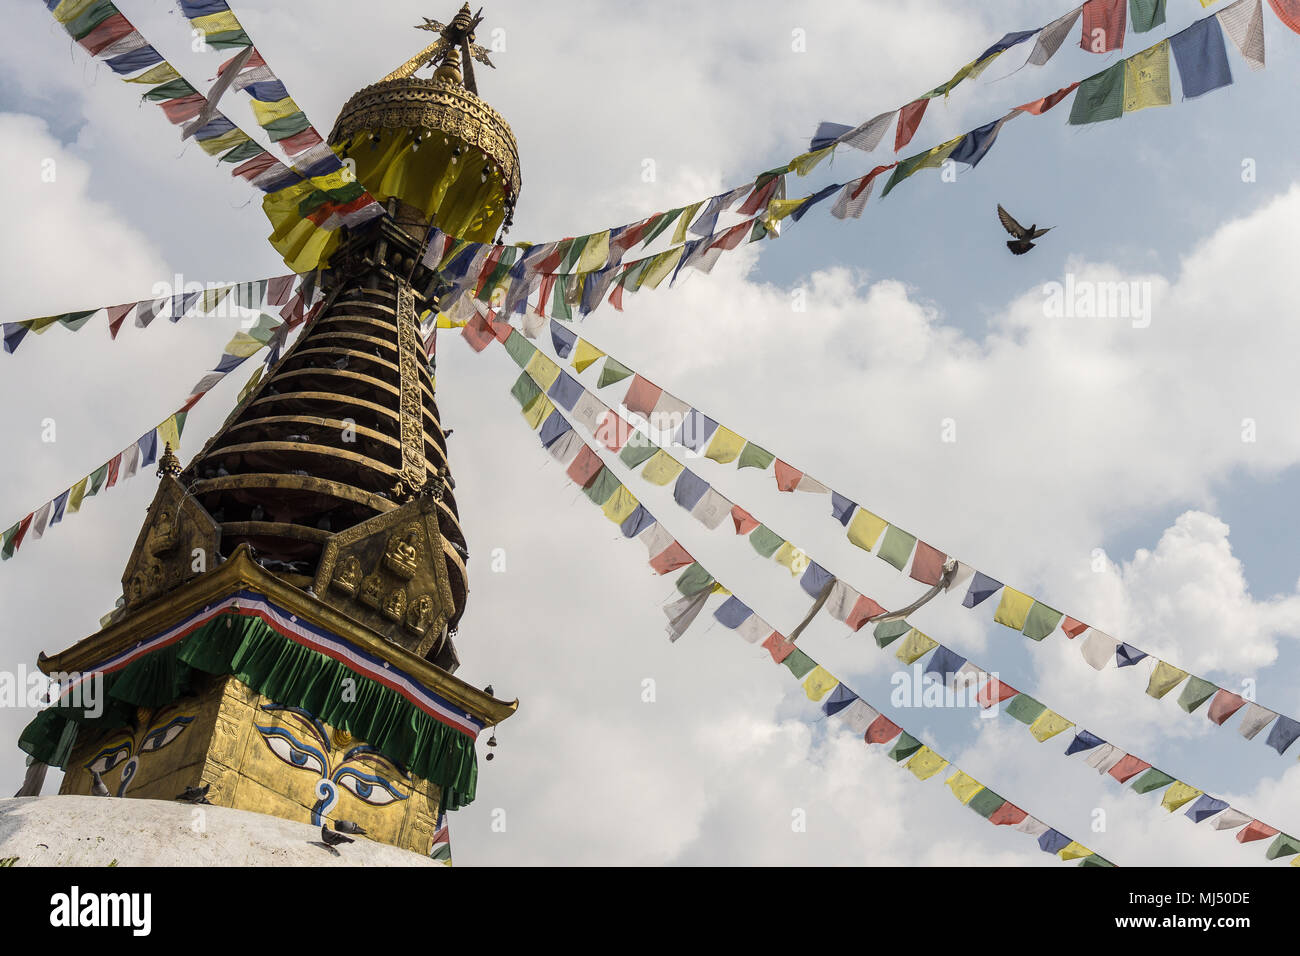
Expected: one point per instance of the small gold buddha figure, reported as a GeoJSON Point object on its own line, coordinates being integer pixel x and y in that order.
{"type": "Point", "coordinates": [395, 606]}
{"type": "Point", "coordinates": [403, 552]}
{"type": "Point", "coordinates": [372, 590]}
{"type": "Point", "coordinates": [348, 575]}
{"type": "Point", "coordinates": [419, 614]}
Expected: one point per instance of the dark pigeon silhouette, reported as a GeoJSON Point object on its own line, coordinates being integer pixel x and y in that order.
{"type": "Point", "coordinates": [1022, 242]}
{"type": "Point", "coordinates": [331, 838]}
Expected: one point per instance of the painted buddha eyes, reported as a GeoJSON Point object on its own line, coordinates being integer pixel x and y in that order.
{"type": "Point", "coordinates": [109, 757]}
{"type": "Point", "coordinates": [372, 789]}
{"type": "Point", "coordinates": [160, 737]}
{"type": "Point", "coordinates": [291, 750]}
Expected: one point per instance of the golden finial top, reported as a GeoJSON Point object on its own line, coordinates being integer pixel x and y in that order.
{"type": "Point", "coordinates": [169, 464]}
{"type": "Point", "coordinates": [455, 46]}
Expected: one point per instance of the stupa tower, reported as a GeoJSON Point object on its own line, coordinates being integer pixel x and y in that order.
{"type": "Point", "coordinates": [288, 632]}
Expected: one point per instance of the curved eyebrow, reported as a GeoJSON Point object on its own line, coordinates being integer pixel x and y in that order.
{"type": "Point", "coordinates": [312, 724]}
{"type": "Point", "coordinates": [367, 754]}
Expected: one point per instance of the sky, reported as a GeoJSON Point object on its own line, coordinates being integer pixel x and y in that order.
{"type": "Point", "coordinates": [1099, 462]}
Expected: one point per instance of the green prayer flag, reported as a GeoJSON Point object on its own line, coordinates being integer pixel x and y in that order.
{"type": "Point", "coordinates": [1099, 97]}
{"type": "Point", "coordinates": [659, 225]}
{"type": "Point", "coordinates": [889, 631]}
{"type": "Point", "coordinates": [290, 125]}
{"type": "Point", "coordinates": [800, 664]}
{"type": "Point", "coordinates": [1041, 621]}
{"type": "Point", "coordinates": [1145, 15]}
{"type": "Point", "coordinates": [752, 456]}
{"type": "Point", "coordinates": [694, 579]}
{"type": "Point", "coordinates": [612, 371]}
{"type": "Point", "coordinates": [560, 308]}
{"type": "Point", "coordinates": [1024, 708]}
{"type": "Point", "coordinates": [897, 547]}
{"type": "Point", "coordinates": [930, 158]}
{"type": "Point", "coordinates": [520, 349]}
{"type": "Point", "coordinates": [175, 90]}
{"type": "Point", "coordinates": [572, 253]}
{"type": "Point", "coordinates": [603, 487]}
{"type": "Point", "coordinates": [7, 548]}
{"type": "Point", "coordinates": [525, 390]}
{"type": "Point", "coordinates": [1283, 845]}
{"type": "Point", "coordinates": [227, 40]}
{"type": "Point", "coordinates": [765, 540]}
{"type": "Point", "coordinates": [1153, 779]}
{"type": "Point", "coordinates": [97, 479]}
{"type": "Point", "coordinates": [638, 450]}
{"type": "Point", "coordinates": [904, 747]}
{"type": "Point", "coordinates": [75, 320]}
{"type": "Point", "coordinates": [1096, 860]}
{"type": "Point", "coordinates": [986, 803]}
{"type": "Point", "coordinates": [245, 150]}
{"type": "Point", "coordinates": [1196, 692]}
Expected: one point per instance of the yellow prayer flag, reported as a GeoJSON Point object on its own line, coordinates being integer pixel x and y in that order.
{"type": "Point", "coordinates": [251, 383]}
{"type": "Point", "coordinates": [537, 411]}
{"type": "Point", "coordinates": [914, 646]}
{"type": "Point", "coordinates": [162, 73]}
{"type": "Point", "coordinates": [661, 468]}
{"type": "Point", "coordinates": [1164, 679]}
{"type": "Point", "coordinates": [719, 589]}
{"type": "Point", "coordinates": [169, 434]}
{"type": "Point", "coordinates": [725, 446]}
{"type": "Point", "coordinates": [661, 267]}
{"type": "Point", "coordinates": [71, 9]}
{"type": "Point", "coordinates": [1013, 608]}
{"type": "Point", "coordinates": [243, 345]}
{"type": "Point", "coordinates": [963, 786]}
{"type": "Point", "coordinates": [688, 216]}
{"type": "Point", "coordinates": [584, 354]}
{"type": "Point", "coordinates": [219, 144]}
{"type": "Point", "coordinates": [1178, 794]}
{"type": "Point", "coordinates": [620, 505]}
{"type": "Point", "coordinates": [791, 557]}
{"type": "Point", "coordinates": [806, 163]}
{"type": "Point", "coordinates": [1146, 78]}
{"type": "Point", "coordinates": [543, 371]}
{"type": "Point", "coordinates": [1048, 724]}
{"type": "Point", "coordinates": [266, 113]}
{"type": "Point", "coordinates": [819, 683]}
{"type": "Point", "coordinates": [595, 253]}
{"type": "Point", "coordinates": [1075, 851]}
{"type": "Point", "coordinates": [223, 22]}
{"type": "Point", "coordinates": [926, 763]}
{"type": "Point", "coordinates": [778, 209]}
{"type": "Point", "coordinates": [213, 298]}
{"type": "Point", "coordinates": [78, 493]}
{"type": "Point", "coordinates": [865, 529]}
{"type": "Point", "coordinates": [936, 156]}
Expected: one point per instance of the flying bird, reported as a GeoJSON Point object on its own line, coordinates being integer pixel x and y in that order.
{"type": "Point", "coordinates": [1022, 242]}
{"type": "Point", "coordinates": [332, 839]}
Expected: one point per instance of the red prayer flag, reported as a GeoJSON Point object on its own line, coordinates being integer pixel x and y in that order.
{"type": "Point", "coordinates": [184, 108]}
{"type": "Point", "coordinates": [863, 610]}
{"type": "Point", "coordinates": [927, 564]}
{"type": "Point", "coordinates": [642, 395]}
{"type": "Point", "coordinates": [786, 476]}
{"type": "Point", "coordinates": [114, 467]}
{"type": "Point", "coordinates": [252, 168]}
{"type": "Point", "coordinates": [585, 467]}
{"type": "Point", "coordinates": [909, 118]}
{"type": "Point", "coordinates": [1288, 11]}
{"type": "Point", "coordinates": [758, 199]}
{"type": "Point", "coordinates": [995, 691]}
{"type": "Point", "coordinates": [1128, 767]}
{"type": "Point", "coordinates": [1103, 25]}
{"type": "Point", "coordinates": [277, 290]}
{"type": "Point", "coordinates": [1224, 705]}
{"type": "Point", "coordinates": [616, 294]}
{"type": "Point", "coordinates": [1007, 815]}
{"type": "Point", "coordinates": [477, 333]}
{"type": "Point", "coordinates": [1072, 627]}
{"type": "Point", "coordinates": [778, 646]}
{"type": "Point", "coordinates": [107, 33]}
{"type": "Point", "coordinates": [116, 315]}
{"type": "Point", "coordinates": [544, 294]}
{"type": "Point", "coordinates": [882, 731]}
{"type": "Point", "coordinates": [22, 532]}
{"type": "Point", "coordinates": [254, 60]}
{"type": "Point", "coordinates": [299, 142]}
{"type": "Point", "coordinates": [743, 520]}
{"type": "Point", "coordinates": [671, 558]}
{"type": "Point", "coordinates": [1040, 106]}
{"type": "Point", "coordinates": [1254, 830]}
{"type": "Point", "coordinates": [613, 431]}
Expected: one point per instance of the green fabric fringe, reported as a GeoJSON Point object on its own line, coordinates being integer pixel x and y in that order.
{"type": "Point", "coordinates": [288, 673]}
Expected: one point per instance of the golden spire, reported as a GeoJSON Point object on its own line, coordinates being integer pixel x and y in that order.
{"type": "Point", "coordinates": [169, 464]}
{"type": "Point", "coordinates": [455, 43]}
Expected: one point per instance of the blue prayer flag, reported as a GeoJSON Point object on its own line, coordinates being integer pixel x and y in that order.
{"type": "Point", "coordinates": [1201, 57]}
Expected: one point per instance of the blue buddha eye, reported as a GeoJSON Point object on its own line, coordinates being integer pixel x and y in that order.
{"type": "Point", "coordinates": [374, 790]}
{"type": "Point", "coordinates": [291, 750]}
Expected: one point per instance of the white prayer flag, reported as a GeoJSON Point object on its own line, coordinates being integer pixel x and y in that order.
{"type": "Point", "coordinates": [1243, 21]}
{"type": "Point", "coordinates": [1098, 649]}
